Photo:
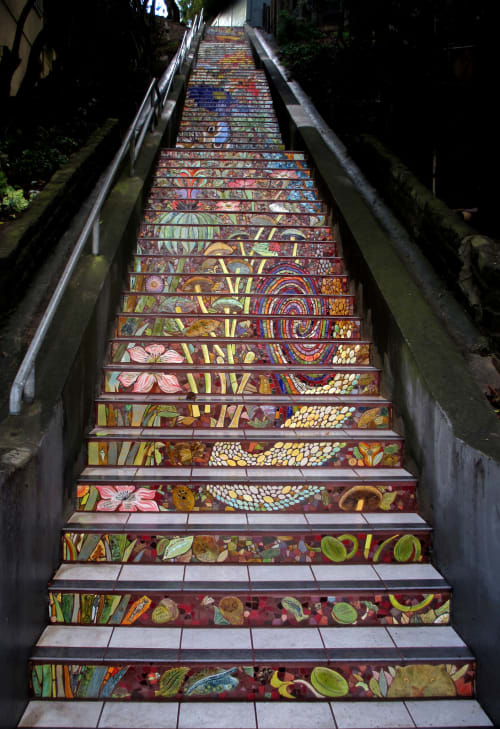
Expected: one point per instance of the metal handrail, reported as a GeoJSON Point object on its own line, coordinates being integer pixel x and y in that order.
{"type": "Point", "coordinates": [23, 385]}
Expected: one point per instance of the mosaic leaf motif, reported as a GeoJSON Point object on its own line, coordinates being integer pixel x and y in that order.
{"type": "Point", "coordinates": [251, 610]}
{"type": "Point", "coordinates": [421, 681]}
{"type": "Point", "coordinates": [329, 683]}
{"type": "Point", "coordinates": [260, 548]}
{"type": "Point", "coordinates": [171, 681]}
{"type": "Point", "coordinates": [298, 680]}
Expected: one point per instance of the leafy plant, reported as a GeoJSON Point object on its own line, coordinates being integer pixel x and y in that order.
{"type": "Point", "coordinates": [13, 201]}
{"type": "Point", "coordinates": [3, 183]}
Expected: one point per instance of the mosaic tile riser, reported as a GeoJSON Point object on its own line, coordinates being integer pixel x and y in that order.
{"type": "Point", "coordinates": [243, 380]}
{"type": "Point", "coordinates": [354, 547]}
{"type": "Point", "coordinates": [216, 415]}
{"type": "Point", "coordinates": [188, 609]}
{"type": "Point", "coordinates": [273, 351]}
{"type": "Point", "coordinates": [246, 453]}
{"type": "Point", "coordinates": [253, 682]}
{"type": "Point", "coordinates": [290, 497]}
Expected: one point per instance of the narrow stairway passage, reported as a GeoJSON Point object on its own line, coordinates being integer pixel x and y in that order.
{"type": "Point", "coordinates": [245, 550]}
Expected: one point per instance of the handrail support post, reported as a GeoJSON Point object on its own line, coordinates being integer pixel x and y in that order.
{"type": "Point", "coordinates": [29, 386]}
{"type": "Point", "coordinates": [96, 235]}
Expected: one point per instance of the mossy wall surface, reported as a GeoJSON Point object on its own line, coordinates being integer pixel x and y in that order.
{"type": "Point", "coordinates": [467, 261]}
{"type": "Point", "coordinates": [452, 435]}
{"type": "Point", "coordinates": [25, 243]}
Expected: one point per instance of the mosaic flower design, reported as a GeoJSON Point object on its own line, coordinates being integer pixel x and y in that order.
{"type": "Point", "coordinates": [126, 498]}
{"type": "Point", "coordinates": [145, 381]}
{"type": "Point", "coordinates": [242, 182]}
{"type": "Point", "coordinates": [154, 284]}
{"type": "Point", "coordinates": [228, 205]}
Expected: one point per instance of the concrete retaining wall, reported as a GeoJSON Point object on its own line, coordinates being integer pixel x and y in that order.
{"type": "Point", "coordinates": [452, 435]}
{"type": "Point", "coordinates": [467, 261]}
{"type": "Point", "coordinates": [25, 243]}
{"type": "Point", "coordinates": [41, 451]}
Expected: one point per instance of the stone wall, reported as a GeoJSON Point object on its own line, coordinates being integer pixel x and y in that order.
{"type": "Point", "coordinates": [467, 261]}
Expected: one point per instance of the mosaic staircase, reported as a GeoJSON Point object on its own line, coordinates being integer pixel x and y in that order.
{"type": "Point", "coordinates": [246, 550]}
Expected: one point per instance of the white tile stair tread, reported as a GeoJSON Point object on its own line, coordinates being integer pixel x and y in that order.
{"type": "Point", "coordinates": [261, 715]}
{"type": "Point", "coordinates": [411, 573]}
{"type": "Point", "coordinates": [215, 397]}
{"type": "Point", "coordinates": [244, 638]}
{"type": "Point", "coordinates": [223, 519]}
{"type": "Point", "coordinates": [336, 474]}
{"type": "Point", "coordinates": [279, 434]}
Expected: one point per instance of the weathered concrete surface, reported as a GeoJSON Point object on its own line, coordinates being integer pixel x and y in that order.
{"type": "Point", "coordinates": [453, 437]}
{"type": "Point", "coordinates": [469, 262]}
{"type": "Point", "coordinates": [26, 242]}
{"type": "Point", "coordinates": [41, 451]}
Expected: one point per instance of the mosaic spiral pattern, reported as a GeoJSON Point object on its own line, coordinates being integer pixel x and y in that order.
{"type": "Point", "coordinates": [288, 289]}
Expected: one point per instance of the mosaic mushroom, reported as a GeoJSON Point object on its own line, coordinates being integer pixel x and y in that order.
{"type": "Point", "coordinates": [361, 498]}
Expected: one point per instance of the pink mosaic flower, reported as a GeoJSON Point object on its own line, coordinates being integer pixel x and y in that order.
{"type": "Point", "coordinates": [242, 182]}
{"type": "Point", "coordinates": [145, 381]}
{"type": "Point", "coordinates": [126, 498]}
{"type": "Point", "coordinates": [285, 174]}
{"type": "Point", "coordinates": [228, 205]}
{"type": "Point", "coordinates": [154, 284]}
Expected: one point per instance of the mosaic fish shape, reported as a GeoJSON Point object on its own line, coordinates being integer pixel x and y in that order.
{"type": "Point", "coordinates": [216, 683]}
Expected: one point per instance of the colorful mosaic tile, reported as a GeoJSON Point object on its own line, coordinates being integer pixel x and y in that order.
{"type": "Point", "coordinates": [111, 451]}
{"type": "Point", "coordinates": [192, 609]}
{"type": "Point", "coordinates": [220, 415]}
{"type": "Point", "coordinates": [353, 547]}
{"type": "Point", "coordinates": [252, 496]}
{"type": "Point", "coordinates": [270, 681]}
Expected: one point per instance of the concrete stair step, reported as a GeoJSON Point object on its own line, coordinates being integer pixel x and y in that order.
{"type": "Point", "coordinates": [252, 173]}
{"type": "Point", "coordinates": [240, 279]}
{"type": "Point", "coordinates": [285, 490]}
{"type": "Point", "coordinates": [258, 376]}
{"type": "Point", "coordinates": [232, 261]}
{"type": "Point", "coordinates": [257, 161]}
{"type": "Point", "coordinates": [271, 248]}
{"type": "Point", "coordinates": [250, 350]}
{"type": "Point", "coordinates": [244, 447]}
{"type": "Point", "coordinates": [259, 326]}
{"type": "Point", "coordinates": [261, 231]}
{"type": "Point", "coordinates": [306, 663]}
{"type": "Point", "coordinates": [231, 145]}
{"type": "Point", "coordinates": [251, 596]}
{"type": "Point", "coordinates": [203, 153]}
{"type": "Point", "coordinates": [142, 299]}
{"type": "Point", "coordinates": [223, 126]}
{"type": "Point", "coordinates": [177, 220]}
{"type": "Point", "coordinates": [261, 183]}
{"type": "Point", "coordinates": [237, 206]}
{"type": "Point", "coordinates": [206, 193]}
{"type": "Point", "coordinates": [217, 411]}
{"type": "Point", "coordinates": [338, 714]}
{"type": "Point", "coordinates": [223, 136]}
{"type": "Point", "coordinates": [251, 538]}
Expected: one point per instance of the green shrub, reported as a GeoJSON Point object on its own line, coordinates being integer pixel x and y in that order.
{"type": "Point", "coordinates": [3, 183]}
{"type": "Point", "coordinates": [13, 202]}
